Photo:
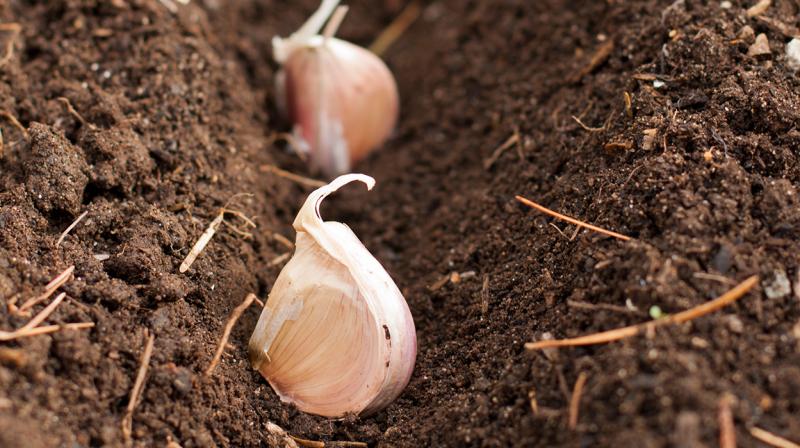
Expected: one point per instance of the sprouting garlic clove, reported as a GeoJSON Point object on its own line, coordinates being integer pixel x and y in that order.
{"type": "Point", "coordinates": [342, 99]}
{"type": "Point", "coordinates": [336, 335]}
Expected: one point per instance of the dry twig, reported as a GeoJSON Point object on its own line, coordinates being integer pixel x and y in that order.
{"type": "Point", "coordinates": [14, 122]}
{"type": "Point", "coordinates": [32, 327]}
{"type": "Point", "coordinates": [279, 259]}
{"type": "Point", "coordinates": [628, 104]}
{"type": "Point", "coordinates": [202, 242]}
{"type": "Point", "coordinates": [44, 314]}
{"type": "Point", "coordinates": [533, 401]}
{"type": "Point", "coordinates": [438, 284]}
{"type": "Point", "coordinates": [305, 181]}
{"type": "Point", "coordinates": [307, 443]}
{"type": "Point", "coordinates": [71, 226]}
{"type": "Point", "coordinates": [71, 110]}
{"type": "Point", "coordinates": [49, 289]}
{"type": "Point", "coordinates": [317, 444]}
{"type": "Point", "coordinates": [283, 240]}
{"type": "Point", "coordinates": [600, 56]}
{"type": "Point", "coordinates": [771, 439]}
{"type": "Point", "coordinates": [561, 232]}
{"type": "Point", "coordinates": [239, 215]}
{"type": "Point", "coordinates": [485, 295]}
{"type": "Point", "coordinates": [47, 329]}
{"type": "Point", "coordinates": [727, 431]}
{"type": "Point", "coordinates": [574, 221]}
{"type": "Point", "coordinates": [396, 29]}
{"type": "Point", "coordinates": [14, 29]}
{"type": "Point", "coordinates": [238, 231]}
{"type": "Point", "coordinates": [575, 401]}
{"type": "Point", "coordinates": [713, 277]}
{"type": "Point", "coordinates": [209, 233]}
{"type": "Point", "coordinates": [138, 386]}
{"type": "Point", "coordinates": [237, 312]}
{"type": "Point", "coordinates": [621, 333]}
{"type": "Point", "coordinates": [593, 307]}
{"type": "Point", "coordinates": [509, 143]}
{"type": "Point", "coordinates": [587, 128]}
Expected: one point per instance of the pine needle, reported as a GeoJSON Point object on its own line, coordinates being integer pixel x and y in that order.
{"type": "Point", "coordinates": [405, 19]}
{"type": "Point", "coordinates": [771, 439]}
{"type": "Point", "coordinates": [71, 226]}
{"type": "Point", "coordinates": [575, 401]}
{"type": "Point", "coordinates": [574, 221]}
{"type": "Point", "coordinates": [209, 233]}
{"type": "Point", "coordinates": [49, 289]}
{"type": "Point", "coordinates": [302, 180]}
{"type": "Point", "coordinates": [621, 333]}
{"type": "Point", "coordinates": [138, 387]}
{"type": "Point", "coordinates": [235, 315]}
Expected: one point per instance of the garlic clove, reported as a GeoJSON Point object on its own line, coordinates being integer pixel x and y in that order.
{"type": "Point", "coordinates": [342, 99]}
{"type": "Point", "coordinates": [336, 335]}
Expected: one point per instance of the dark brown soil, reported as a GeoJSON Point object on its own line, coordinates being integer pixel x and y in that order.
{"type": "Point", "coordinates": [173, 119]}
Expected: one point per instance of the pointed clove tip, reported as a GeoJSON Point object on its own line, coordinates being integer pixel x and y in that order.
{"type": "Point", "coordinates": [345, 179]}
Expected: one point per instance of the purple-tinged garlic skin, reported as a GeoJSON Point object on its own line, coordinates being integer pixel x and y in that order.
{"type": "Point", "coordinates": [342, 99]}
{"type": "Point", "coordinates": [336, 336]}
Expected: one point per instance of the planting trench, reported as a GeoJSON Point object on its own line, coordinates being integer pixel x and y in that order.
{"type": "Point", "coordinates": [166, 116]}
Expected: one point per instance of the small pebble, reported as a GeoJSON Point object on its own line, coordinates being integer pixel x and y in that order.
{"type": "Point", "coordinates": [793, 54]}
{"type": "Point", "coordinates": [760, 47]}
{"type": "Point", "coordinates": [779, 286]}
{"type": "Point", "coordinates": [722, 260]}
{"type": "Point", "coordinates": [747, 34]}
{"type": "Point", "coordinates": [649, 139]}
{"type": "Point", "coordinates": [759, 8]}
{"type": "Point", "coordinates": [735, 324]}
{"type": "Point", "coordinates": [550, 353]}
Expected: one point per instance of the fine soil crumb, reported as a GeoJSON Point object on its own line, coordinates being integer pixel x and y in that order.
{"type": "Point", "coordinates": [152, 118]}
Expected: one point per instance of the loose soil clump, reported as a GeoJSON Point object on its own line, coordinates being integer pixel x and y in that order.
{"type": "Point", "coordinates": [653, 119]}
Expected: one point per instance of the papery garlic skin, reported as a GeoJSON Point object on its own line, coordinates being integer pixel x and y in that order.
{"type": "Point", "coordinates": [342, 99]}
{"type": "Point", "coordinates": [336, 335]}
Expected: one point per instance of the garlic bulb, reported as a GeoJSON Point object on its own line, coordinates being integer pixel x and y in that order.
{"type": "Point", "coordinates": [342, 99]}
{"type": "Point", "coordinates": [336, 335]}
